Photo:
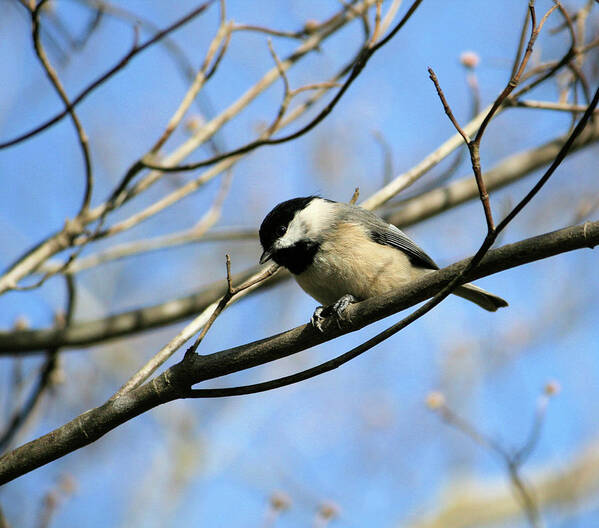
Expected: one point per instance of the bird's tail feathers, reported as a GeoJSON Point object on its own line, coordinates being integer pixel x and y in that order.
{"type": "Point", "coordinates": [483, 298]}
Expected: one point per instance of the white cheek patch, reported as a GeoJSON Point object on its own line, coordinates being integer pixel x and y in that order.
{"type": "Point", "coordinates": [318, 216]}
{"type": "Point", "coordinates": [308, 224]}
{"type": "Point", "coordinates": [296, 231]}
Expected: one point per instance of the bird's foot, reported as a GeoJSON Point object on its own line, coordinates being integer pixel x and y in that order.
{"type": "Point", "coordinates": [323, 314]}
{"type": "Point", "coordinates": [319, 318]}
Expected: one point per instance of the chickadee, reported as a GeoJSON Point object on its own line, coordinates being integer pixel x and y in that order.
{"type": "Point", "coordinates": [340, 253]}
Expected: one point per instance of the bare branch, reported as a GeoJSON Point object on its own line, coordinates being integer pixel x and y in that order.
{"type": "Point", "coordinates": [203, 321]}
{"type": "Point", "coordinates": [511, 169]}
{"type": "Point", "coordinates": [53, 77]}
{"type": "Point", "coordinates": [229, 295]}
{"type": "Point", "coordinates": [548, 105]}
{"type": "Point", "coordinates": [136, 49]}
{"type": "Point", "coordinates": [44, 381]}
{"type": "Point", "coordinates": [269, 31]}
{"type": "Point", "coordinates": [174, 382]}
{"type": "Point", "coordinates": [446, 106]}
{"type": "Point", "coordinates": [521, 42]}
{"type": "Point", "coordinates": [359, 65]}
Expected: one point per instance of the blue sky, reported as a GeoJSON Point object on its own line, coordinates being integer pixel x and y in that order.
{"type": "Point", "coordinates": [360, 437]}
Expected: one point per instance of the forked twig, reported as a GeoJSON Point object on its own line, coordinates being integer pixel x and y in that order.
{"type": "Point", "coordinates": [201, 322]}
{"type": "Point", "coordinates": [474, 144]}
{"type": "Point", "coordinates": [53, 77]}
{"type": "Point", "coordinates": [135, 50]}
{"type": "Point", "coordinates": [358, 66]}
{"type": "Point", "coordinates": [232, 291]}
{"type": "Point", "coordinates": [513, 460]}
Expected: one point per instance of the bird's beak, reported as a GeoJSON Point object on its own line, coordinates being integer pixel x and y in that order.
{"type": "Point", "coordinates": [267, 255]}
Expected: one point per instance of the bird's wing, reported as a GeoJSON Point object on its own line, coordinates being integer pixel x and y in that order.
{"type": "Point", "coordinates": [390, 235]}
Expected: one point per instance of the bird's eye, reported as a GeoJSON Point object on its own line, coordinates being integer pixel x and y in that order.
{"type": "Point", "coordinates": [281, 230]}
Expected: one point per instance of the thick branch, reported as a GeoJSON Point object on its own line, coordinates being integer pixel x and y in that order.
{"type": "Point", "coordinates": [122, 324]}
{"type": "Point", "coordinates": [84, 429]}
{"type": "Point", "coordinates": [376, 308]}
{"type": "Point", "coordinates": [175, 382]}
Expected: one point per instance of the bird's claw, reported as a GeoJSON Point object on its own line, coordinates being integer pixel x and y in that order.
{"type": "Point", "coordinates": [322, 315]}
{"type": "Point", "coordinates": [318, 319]}
{"type": "Point", "coordinates": [341, 305]}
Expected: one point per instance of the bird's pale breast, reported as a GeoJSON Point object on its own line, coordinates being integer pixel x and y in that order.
{"type": "Point", "coordinates": [352, 263]}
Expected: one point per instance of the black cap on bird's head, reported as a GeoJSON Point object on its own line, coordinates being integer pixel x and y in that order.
{"type": "Point", "coordinates": [286, 234]}
{"type": "Point", "coordinates": [275, 225]}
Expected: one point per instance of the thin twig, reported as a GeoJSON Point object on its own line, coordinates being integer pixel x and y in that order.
{"type": "Point", "coordinates": [269, 31]}
{"type": "Point", "coordinates": [223, 34]}
{"type": "Point", "coordinates": [446, 107]}
{"type": "Point", "coordinates": [201, 322]}
{"type": "Point", "coordinates": [377, 23]}
{"type": "Point", "coordinates": [359, 65]}
{"type": "Point", "coordinates": [231, 293]}
{"type": "Point", "coordinates": [521, 42]}
{"type": "Point", "coordinates": [473, 148]}
{"type": "Point", "coordinates": [548, 105]}
{"type": "Point", "coordinates": [53, 77]}
{"type": "Point", "coordinates": [44, 381]}
{"type": "Point", "coordinates": [135, 50]}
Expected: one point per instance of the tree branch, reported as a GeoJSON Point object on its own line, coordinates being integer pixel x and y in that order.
{"type": "Point", "coordinates": [121, 324]}
{"type": "Point", "coordinates": [358, 66]}
{"type": "Point", "coordinates": [511, 169]}
{"type": "Point", "coordinates": [53, 77]}
{"type": "Point", "coordinates": [175, 382]}
{"type": "Point", "coordinates": [135, 50]}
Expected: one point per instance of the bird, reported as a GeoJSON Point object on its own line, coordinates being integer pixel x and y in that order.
{"type": "Point", "coordinates": [340, 254]}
